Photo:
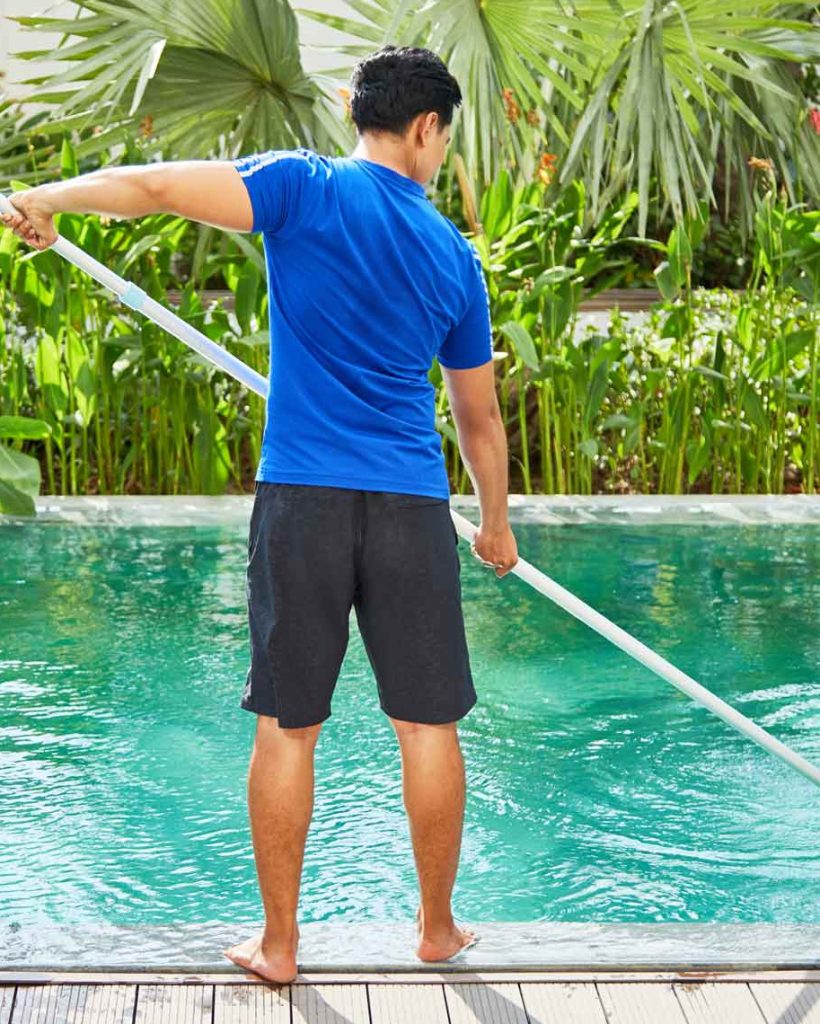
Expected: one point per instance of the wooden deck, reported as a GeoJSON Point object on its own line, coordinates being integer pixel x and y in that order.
{"type": "Point", "coordinates": [457, 997]}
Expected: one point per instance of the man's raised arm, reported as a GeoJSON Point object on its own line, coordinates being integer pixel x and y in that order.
{"type": "Point", "coordinates": [209, 191]}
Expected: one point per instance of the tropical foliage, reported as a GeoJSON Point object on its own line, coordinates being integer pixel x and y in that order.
{"type": "Point", "coordinates": [716, 391]}
{"type": "Point", "coordinates": [210, 78]}
{"type": "Point", "coordinates": [583, 126]}
{"type": "Point", "coordinates": [661, 91]}
{"type": "Point", "coordinates": [658, 96]}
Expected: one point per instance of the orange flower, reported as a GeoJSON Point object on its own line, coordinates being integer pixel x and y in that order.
{"type": "Point", "coordinates": [759, 164]}
{"type": "Point", "coordinates": [814, 117]}
{"type": "Point", "coordinates": [546, 168]}
{"type": "Point", "coordinates": [532, 116]}
{"type": "Point", "coordinates": [345, 94]}
{"type": "Point", "coordinates": [512, 110]}
{"type": "Point", "coordinates": [147, 126]}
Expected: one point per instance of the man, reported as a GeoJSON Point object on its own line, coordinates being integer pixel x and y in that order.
{"type": "Point", "coordinates": [367, 282]}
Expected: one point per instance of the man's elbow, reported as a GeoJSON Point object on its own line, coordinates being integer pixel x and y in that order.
{"type": "Point", "coordinates": [478, 424]}
{"type": "Point", "coordinates": [155, 183]}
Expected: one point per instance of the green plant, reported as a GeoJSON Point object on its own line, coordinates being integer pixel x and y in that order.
{"type": "Point", "coordinates": [715, 391]}
{"type": "Point", "coordinates": [203, 77]}
{"type": "Point", "coordinates": [538, 263]}
{"type": "Point", "coordinates": [180, 81]}
{"type": "Point", "coordinates": [19, 473]}
{"type": "Point", "coordinates": [651, 96]}
{"type": "Point", "coordinates": [740, 436]}
{"type": "Point", "coordinates": [128, 407]}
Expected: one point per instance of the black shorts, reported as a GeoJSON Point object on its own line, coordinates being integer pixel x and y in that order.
{"type": "Point", "coordinates": [313, 553]}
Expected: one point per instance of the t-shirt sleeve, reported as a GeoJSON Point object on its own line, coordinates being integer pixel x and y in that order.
{"type": "Point", "coordinates": [279, 183]}
{"type": "Point", "coordinates": [470, 342]}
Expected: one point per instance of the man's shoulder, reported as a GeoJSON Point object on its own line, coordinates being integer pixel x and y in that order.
{"type": "Point", "coordinates": [463, 245]}
{"type": "Point", "coordinates": [319, 163]}
{"type": "Point", "coordinates": [301, 158]}
{"type": "Point", "coordinates": [464, 248]}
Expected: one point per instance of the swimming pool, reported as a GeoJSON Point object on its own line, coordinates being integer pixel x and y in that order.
{"type": "Point", "coordinates": [598, 794]}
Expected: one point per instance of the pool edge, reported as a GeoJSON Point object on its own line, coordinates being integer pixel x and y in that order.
{"type": "Point", "coordinates": [223, 510]}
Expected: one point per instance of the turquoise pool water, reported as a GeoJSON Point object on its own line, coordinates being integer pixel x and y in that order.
{"type": "Point", "coordinates": [597, 792]}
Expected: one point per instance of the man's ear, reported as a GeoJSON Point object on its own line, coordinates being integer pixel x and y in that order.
{"type": "Point", "coordinates": [432, 122]}
{"type": "Point", "coordinates": [421, 126]}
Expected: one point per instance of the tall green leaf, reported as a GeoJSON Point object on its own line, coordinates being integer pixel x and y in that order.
{"type": "Point", "coordinates": [19, 482]}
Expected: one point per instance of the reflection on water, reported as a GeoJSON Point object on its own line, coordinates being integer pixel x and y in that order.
{"type": "Point", "coordinates": [597, 792]}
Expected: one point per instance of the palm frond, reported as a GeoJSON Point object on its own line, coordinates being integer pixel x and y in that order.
{"type": "Point", "coordinates": [196, 78]}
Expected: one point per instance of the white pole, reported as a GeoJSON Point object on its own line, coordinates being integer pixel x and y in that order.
{"type": "Point", "coordinates": [646, 656]}
{"type": "Point", "coordinates": [137, 299]}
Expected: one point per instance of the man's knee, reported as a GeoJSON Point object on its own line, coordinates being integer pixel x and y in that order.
{"type": "Point", "coordinates": [268, 730]}
{"type": "Point", "coordinates": [419, 729]}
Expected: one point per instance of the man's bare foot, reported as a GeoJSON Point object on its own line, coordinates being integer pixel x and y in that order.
{"type": "Point", "coordinates": [277, 966]}
{"type": "Point", "coordinates": [442, 947]}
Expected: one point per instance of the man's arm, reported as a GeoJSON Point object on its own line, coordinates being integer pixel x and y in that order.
{"type": "Point", "coordinates": [482, 442]}
{"type": "Point", "coordinates": [210, 191]}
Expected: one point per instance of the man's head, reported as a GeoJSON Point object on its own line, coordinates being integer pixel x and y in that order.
{"type": "Point", "coordinates": [403, 98]}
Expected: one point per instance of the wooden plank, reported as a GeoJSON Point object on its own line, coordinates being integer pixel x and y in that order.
{"type": "Point", "coordinates": [407, 1004]}
{"type": "Point", "coordinates": [6, 999]}
{"type": "Point", "coordinates": [477, 1004]}
{"type": "Point", "coordinates": [788, 1003]}
{"type": "Point", "coordinates": [174, 1004]}
{"type": "Point", "coordinates": [329, 1004]}
{"type": "Point", "coordinates": [39, 1004]}
{"type": "Point", "coordinates": [562, 1003]}
{"type": "Point", "coordinates": [101, 1004]}
{"type": "Point", "coordinates": [640, 1004]}
{"type": "Point", "coordinates": [246, 1004]}
{"type": "Point", "coordinates": [710, 1003]}
{"type": "Point", "coordinates": [74, 1004]}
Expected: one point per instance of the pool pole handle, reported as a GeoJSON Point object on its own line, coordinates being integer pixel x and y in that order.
{"type": "Point", "coordinates": [138, 300]}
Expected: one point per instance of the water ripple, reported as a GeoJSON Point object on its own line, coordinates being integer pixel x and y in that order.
{"type": "Point", "coordinates": [596, 792]}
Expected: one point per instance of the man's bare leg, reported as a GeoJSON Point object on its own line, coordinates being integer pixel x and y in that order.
{"type": "Point", "coordinates": [280, 802]}
{"type": "Point", "coordinates": [434, 797]}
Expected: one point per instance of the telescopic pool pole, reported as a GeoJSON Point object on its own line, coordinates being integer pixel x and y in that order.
{"type": "Point", "coordinates": [137, 299]}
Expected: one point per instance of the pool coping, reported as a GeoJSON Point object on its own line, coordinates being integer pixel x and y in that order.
{"type": "Point", "coordinates": [221, 510]}
{"type": "Point", "coordinates": [381, 946]}
{"type": "Point", "coordinates": [233, 976]}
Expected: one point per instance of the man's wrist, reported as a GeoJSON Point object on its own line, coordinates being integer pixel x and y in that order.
{"type": "Point", "coordinates": [495, 525]}
{"type": "Point", "coordinates": [43, 196]}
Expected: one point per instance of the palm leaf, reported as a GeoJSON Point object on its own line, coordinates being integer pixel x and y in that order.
{"type": "Point", "coordinates": [198, 78]}
{"type": "Point", "coordinates": [712, 66]}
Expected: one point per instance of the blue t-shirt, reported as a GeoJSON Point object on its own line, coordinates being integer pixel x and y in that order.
{"type": "Point", "coordinates": [367, 283]}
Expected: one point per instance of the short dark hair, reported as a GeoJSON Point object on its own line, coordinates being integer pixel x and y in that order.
{"type": "Point", "coordinates": [393, 85]}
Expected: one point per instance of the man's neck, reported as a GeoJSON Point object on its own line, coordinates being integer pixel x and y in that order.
{"type": "Point", "coordinates": [392, 157]}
